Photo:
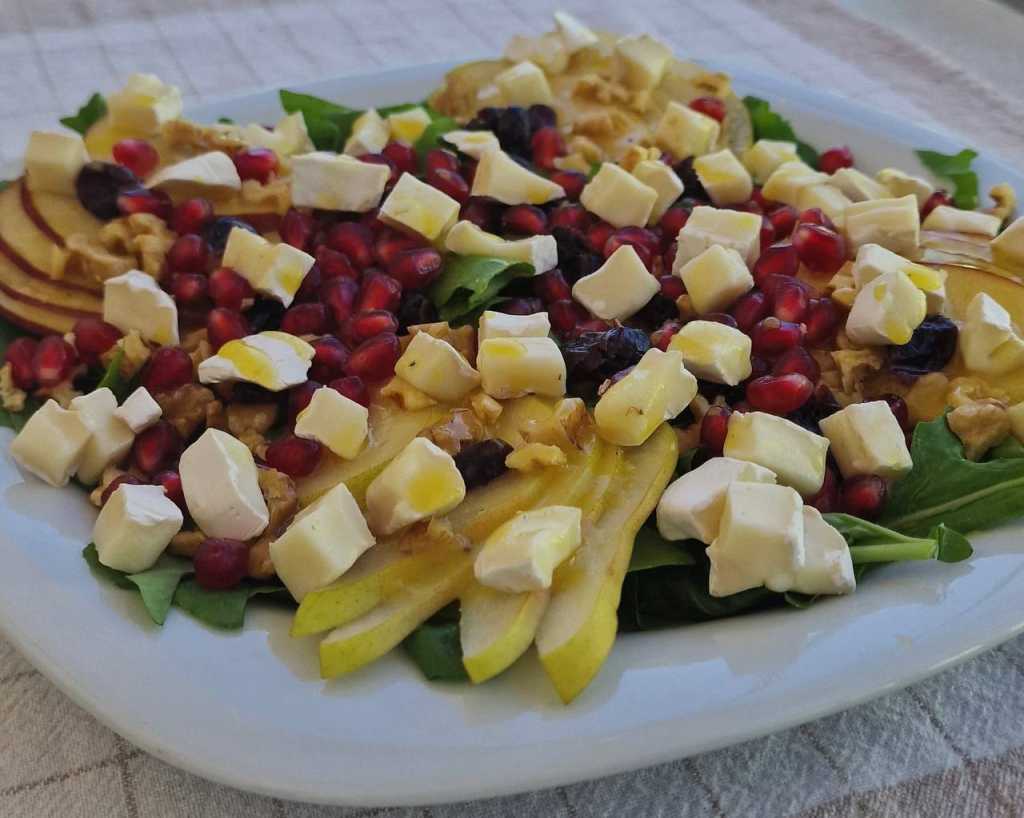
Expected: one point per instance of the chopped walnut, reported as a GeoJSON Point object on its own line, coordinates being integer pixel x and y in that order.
{"type": "Point", "coordinates": [574, 161]}
{"type": "Point", "coordinates": [186, 542]}
{"type": "Point", "coordinates": [603, 124]}
{"type": "Point", "coordinates": [62, 392]}
{"type": "Point", "coordinates": [535, 456]}
{"type": "Point", "coordinates": [569, 427]}
{"type": "Point", "coordinates": [282, 504]}
{"type": "Point", "coordinates": [110, 473]}
{"type": "Point", "coordinates": [187, 138]}
{"type": "Point", "coordinates": [136, 353]}
{"type": "Point", "coordinates": [685, 306]}
{"type": "Point", "coordinates": [980, 425]}
{"type": "Point", "coordinates": [855, 365]}
{"type": "Point", "coordinates": [197, 346]}
{"type": "Point", "coordinates": [462, 338]}
{"type": "Point", "coordinates": [635, 154]}
{"type": "Point", "coordinates": [143, 236]}
{"type": "Point", "coordinates": [12, 398]}
{"type": "Point", "coordinates": [217, 418]}
{"type": "Point", "coordinates": [406, 395]}
{"type": "Point", "coordinates": [249, 422]}
{"type": "Point", "coordinates": [967, 390]}
{"type": "Point", "coordinates": [598, 89]}
{"type": "Point", "coordinates": [460, 426]}
{"type": "Point", "coordinates": [587, 148]}
{"type": "Point", "coordinates": [1005, 198]}
{"type": "Point", "coordinates": [86, 257]}
{"type": "Point", "coordinates": [486, 408]}
{"type": "Point", "coordinates": [185, 408]}
{"type": "Point", "coordinates": [275, 195]}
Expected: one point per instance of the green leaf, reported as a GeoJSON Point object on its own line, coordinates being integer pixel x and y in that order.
{"type": "Point", "coordinates": [871, 543]}
{"type": "Point", "coordinates": [470, 284]}
{"type": "Point", "coordinates": [220, 609]}
{"type": "Point", "coordinates": [158, 584]}
{"type": "Point", "coordinates": [88, 115]}
{"type": "Point", "coordinates": [328, 123]}
{"type": "Point", "coordinates": [1008, 449]}
{"type": "Point", "coordinates": [436, 649]}
{"type": "Point", "coordinates": [431, 136]}
{"type": "Point", "coordinates": [957, 168]}
{"type": "Point", "coordinates": [225, 120]}
{"type": "Point", "coordinates": [651, 550]}
{"type": "Point", "coordinates": [4, 184]}
{"type": "Point", "coordinates": [101, 571]}
{"type": "Point", "coordinates": [769, 124]}
{"type": "Point", "coordinates": [112, 378]}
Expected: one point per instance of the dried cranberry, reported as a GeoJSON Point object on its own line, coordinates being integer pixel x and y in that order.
{"type": "Point", "coordinates": [216, 232]}
{"type": "Point", "coordinates": [264, 314]}
{"type": "Point", "coordinates": [99, 184]}
{"type": "Point", "coordinates": [221, 563]}
{"type": "Point", "coordinates": [542, 116]}
{"type": "Point", "coordinates": [480, 463]}
{"type": "Point", "coordinates": [658, 310]}
{"type": "Point", "coordinates": [929, 349]}
{"type": "Point", "coordinates": [593, 357]}
{"type": "Point", "coordinates": [415, 309]}
{"type": "Point", "coordinates": [821, 404]}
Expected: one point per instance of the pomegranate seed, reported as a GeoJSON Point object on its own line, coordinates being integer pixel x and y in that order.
{"type": "Point", "coordinates": [827, 498]}
{"type": "Point", "coordinates": [759, 367]}
{"type": "Point", "coordinates": [757, 198]}
{"type": "Point", "coordinates": [189, 288]}
{"type": "Point", "coordinates": [305, 319]}
{"type": "Point", "coordinates": [565, 315]}
{"type": "Point", "coordinates": [402, 156]}
{"type": "Point", "coordinates": [390, 243]}
{"type": "Point", "coordinates": [365, 325]}
{"type": "Point", "coordinates": [800, 361]}
{"type": "Point", "coordinates": [381, 159]}
{"type": "Point", "coordinates": [255, 163]}
{"type": "Point", "coordinates": [525, 220]}
{"type": "Point", "coordinates": [720, 318]}
{"type": "Point", "coordinates": [709, 106]}
{"type": "Point", "coordinates": [19, 354]}
{"type": "Point", "coordinates": [333, 265]}
{"type": "Point", "coordinates": [546, 145]}
{"type": "Point", "coordinates": [750, 309]}
{"type": "Point", "coordinates": [167, 369]}
{"type": "Point", "coordinates": [170, 480]}
{"type": "Point", "coordinates": [141, 200]}
{"type": "Point", "coordinates": [440, 159]}
{"type": "Point", "coordinates": [668, 258]}
{"type": "Point", "coordinates": [598, 235]}
{"type": "Point", "coordinates": [673, 221]}
{"type": "Point", "coordinates": [329, 359]}
{"type": "Point", "coordinates": [188, 254]}
{"type": "Point", "coordinates": [520, 306]}
{"type": "Point", "coordinates": [353, 239]}
{"type": "Point", "coordinates": [864, 496]}
{"type": "Point", "coordinates": [822, 320]}
{"type": "Point", "coordinates": [339, 294]}
{"type": "Point", "coordinates": [714, 426]}
{"type": "Point", "coordinates": [784, 220]}
{"type": "Point", "coordinates": [664, 334]}
{"type": "Point", "coordinates": [223, 325]}
{"type": "Point", "coordinates": [570, 217]}
{"type": "Point", "coordinates": [375, 359]}
{"type": "Point", "coordinates": [815, 215]}
{"type": "Point", "coordinates": [835, 158]}
{"type": "Point", "coordinates": [353, 388]}
{"type": "Point", "coordinates": [228, 289]}
{"type": "Point", "coordinates": [137, 155]}
{"type": "Point", "coordinates": [449, 182]}
{"type": "Point", "coordinates": [53, 361]}
{"type": "Point", "coordinates": [299, 398]}
{"type": "Point", "coordinates": [93, 337]}
{"type": "Point", "coordinates": [371, 220]}
{"type": "Point", "coordinates": [191, 216]}
{"type": "Point", "coordinates": [220, 563]}
{"type": "Point", "coordinates": [552, 286]}
{"type": "Point", "coordinates": [297, 228]}
{"type": "Point", "coordinates": [899, 411]}
{"type": "Point", "coordinates": [122, 479]}
{"type": "Point", "coordinates": [484, 213]}
{"type": "Point", "coordinates": [778, 259]}
{"type": "Point", "coordinates": [789, 299]}
{"type": "Point", "coordinates": [671, 286]}
{"type": "Point", "coordinates": [571, 181]}
{"type": "Point", "coordinates": [294, 456]}
{"type": "Point", "coordinates": [591, 325]}
{"type": "Point", "coordinates": [939, 197]}
{"type": "Point", "coordinates": [779, 394]}
{"type": "Point", "coordinates": [771, 337]}
{"type": "Point", "coordinates": [156, 448]}
{"type": "Point", "coordinates": [309, 289]}
{"type": "Point", "coordinates": [380, 292]}
{"type": "Point", "coordinates": [820, 249]}
{"type": "Point", "coordinates": [767, 235]}
{"type": "Point", "coordinates": [415, 269]}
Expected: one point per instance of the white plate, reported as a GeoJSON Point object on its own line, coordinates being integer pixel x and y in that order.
{"type": "Point", "coordinates": [248, 710]}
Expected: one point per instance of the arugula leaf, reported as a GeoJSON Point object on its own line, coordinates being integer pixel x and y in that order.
{"type": "Point", "coordinates": [221, 609]}
{"type": "Point", "coordinates": [4, 184]}
{"type": "Point", "coordinates": [431, 136]}
{"type": "Point", "coordinates": [436, 649]}
{"type": "Point", "coordinates": [328, 123]}
{"type": "Point", "coordinates": [88, 115]}
{"type": "Point", "coordinates": [651, 550]}
{"type": "Point", "coordinates": [769, 124]}
{"type": "Point", "coordinates": [158, 584]}
{"type": "Point", "coordinates": [957, 168]}
{"type": "Point", "coordinates": [112, 378]}
{"type": "Point", "coordinates": [1009, 448]}
{"type": "Point", "coordinates": [225, 120]}
{"type": "Point", "coordinates": [101, 571]}
{"type": "Point", "coordinates": [470, 284]}
{"type": "Point", "coordinates": [871, 543]}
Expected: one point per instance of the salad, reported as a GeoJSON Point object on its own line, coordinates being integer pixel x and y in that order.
{"type": "Point", "coordinates": [582, 343]}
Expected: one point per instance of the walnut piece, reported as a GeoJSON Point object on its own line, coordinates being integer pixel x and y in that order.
{"type": "Point", "coordinates": [1005, 198]}
{"type": "Point", "coordinates": [569, 427]}
{"type": "Point", "coordinates": [486, 408]}
{"type": "Point", "coordinates": [186, 407]}
{"type": "Point", "coordinates": [282, 504]}
{"type": "Point", "coordinates": [136, 353]}
{"type": "Point", "coordinates": [855, 365]}
{"type": "Point", "coordinates": [274, 196]}
{"type": "Point", "coordinates": [142, 236]}
{"type": "Point", "coordinates": [12, 398]}
{"type": "Point", "coordinates": [188, 139]}
{"type": "Point", "coordinates": [461, 426]}
{"type": "Point", "coordinates": [980, 425]}
{"type": "Point", "coordinates": [186, 542]}
{"type": "Point", "coordinates": [535, 456]}
{"type": "Point", "coordinates": [249, 422]}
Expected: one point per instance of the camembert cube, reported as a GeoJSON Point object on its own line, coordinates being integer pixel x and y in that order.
{"type": "Point", "coordinates": [765, 155]}
{"type": "Point", "coordinates": [524, 84]}
{"type": "Point", "coordinates": [466, 239]}
{"type": "Point", "coordinates": [331, 181]}
{"type": "Point", "coordinates": [522, 554]}
{"type": "Point", "coordinates": [830, 200]}
{"type": "Point", "coordinates": [664, 181]}
{"type": "Point", "coordinates": [866, 438]}
{"type": "Point", "coordinates": [713, 351]}
{"type": "Point", "coordinates": [134, 527]}
{"type": "Point", "coordinates": [893, 223]}
{"type": "Point", "coordinates": [723, 177]}
{"type": "Point", "coordinates": [415, 206]}
{"type": "Point", "coordinates": [134, 301]}
{"type": "Point", "coordinates": [502, 325]}
{"type": "Point", "coordinates": [276, 270]}
{"type": "Point", "coordinates": [370, 134]}
{"type": "Point", "coordinates": [336, 421]}
{"type": "Point", "coordinates": [618, 197]}
{"type": "Point", "coordinates": [53, 161]}
{"type": "Point", "coordinates": [715, 278]}
{"type": "Point", "coordinates": [857, 186]}
{"type": "Point", "coordinates": [788, 179]}
{"type": "Point", "coordinates": [144, 105]}
{"type": "Point", "coordinates": [989, 341]}
{"type": "Point", "coordinates": [436, 368]}
{"type": "Point", "coordinates": [500, 177]}
{"type": "Point", "coordinates": [473, 143]}
{"type": "Point", "coordinates": [110, 439]}
{"type": "Point", "coordinates": [211, 174]}
{"type": "Point", "coordinates": [796, 455]}
{"type": "Point", "coordinates": [684, 132]}
{"type": "Point", "coordinates": [708, 226]}
{"type": "Point", "coordinates": [618, 288]}
{"type": "Point", "coordinates": [955, 220]}
{"type": "Point", "coordinates": [645, 60]}
{"type": "Point", "coordinates": [886, 311]}
{"type": "Point", "coordinates": [408, 126]}
{"type": "Point", "coordinates": [903, 184]}
{"type": "Point", "coordinates": [51, 444]}
{"type": "Point", "coordinates": [513, 367]}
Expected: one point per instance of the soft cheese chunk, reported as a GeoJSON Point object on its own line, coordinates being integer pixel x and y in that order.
{"type": "Point", "coordinates": [330, 181]}
{"type": "Point", "coordinates": [110, 439]}
{"type": "Point", "coordinates": [500, 177]}
{"type": "Point", "coordinates": [886, 311]}
{"type": "Point", "coordinates": [288, 137]}
{"type": "Point", "coordinates": [715, 278]}
{"type": "Point", "coordinates": [415, 206]}
{"type": "Point", "coordinates": [723, 177]}
{"type": "Point", "coordinates": [473, 143]}
{"type": "Point", "coordinates": [276, 270]}
{"type": "Point", "coordinates": [134, 301]}
{"type": "Point", "coordinates": [788, 179]}
{"type": "Point", "coordinates": [370, 134]}
{"type": "Point", "coordinates": [645, 60]}
{"type": "Point", "coordinates": [502, 325]}
{"type": "Point", "coordinates": [273, 360]}
{"type": "Point", "coordinates": [684, 132]}
{"type": "Point", "coordinates": [692, 505]}
{"type": "Point", "coordinates": [830, 200]}
{"type": "Point", "coordinates": [321, 543]}
{"type": "Point", "coordinates": [524, 84]}
{"type": "Point", "coordinates": [52, 443]}
{"type": "Point", "coordinates": [139, 411]}
{"type": "Point", "coordinates": [436, 368]}
{"type": "Point", "coordinates": [618, 288]}
{"type": "Point", "coordinates": [714, 352]}
{"type": "Point", "coordinates": [873, 260]}
{"type": "Point", "coordinates": [657, 389]}
{"type": "Point", "coordinates": [513, 367]}
{"type": "Point", "coordinates": [827, 568]}
{"type": "Point", "coordinates": [575, 34]}
{"type": "Point", "coordinates": [956, 220]}
{"type": "Point", "coordinates": [338, 422]}
{"type": "Point", "coordinates": [892, 223]}
{"type": "Point", "coordinates": [989, 341]}
{"type": "Point", "coordinates": [1008, 246]}
{"type": "Point", "coordinates": [144, 104]}
{"type": "Point", "coordinates": [134, 527]}
{"type": "Point", "coordinates": [522, 554]}
{"type": "Point", "coordinates": [857, 186]}
{"type": "Point", "coordinates": [420, 482]}
{"type": "Point", "coordinates": [866, 438]}
{"type": "Point", "coordinates": [222, 491]}
{"type": "Point", "coordinates": [795, 454]}
{"type": "Point", "coordinates": [664, 181]}
{"type": "Point", "coordinates": [408, 126]}
{"type": "Point", "coordinates": [618, 197]}
{"type": "Point", "coordinates": [903, 184]}
{"type": "Point", "coordinates": [210, 173]}
{"type": "Point", "coordinates": [760, 539]}
{"type": "Point", "coordinates": [53, 160]}
{"type": "Point", "coordinates": [729, 228]}
{"type": "Point", "coordinates": [466, 239]}
{"type": "Point", "coordinates": [765, 155]}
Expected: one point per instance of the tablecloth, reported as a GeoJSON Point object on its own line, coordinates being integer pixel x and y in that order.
{"type": "Point", "coordinates": [950, 746]}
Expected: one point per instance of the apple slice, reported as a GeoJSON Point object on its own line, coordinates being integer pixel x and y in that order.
{"type": "Point", "coordinates": [579, 626]}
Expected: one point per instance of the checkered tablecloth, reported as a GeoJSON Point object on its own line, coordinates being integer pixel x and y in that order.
{"type": "Point", "coordinates": [951, 746]}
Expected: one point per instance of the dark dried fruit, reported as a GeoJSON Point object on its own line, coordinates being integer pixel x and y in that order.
{"type": "Point", "coordinates": [415, 309]}
{"type": "Point", "coordinates": [265, 314]}
{"type": "Point", "coordinates": [657, 311]}
{"type": "Point", "coordinates": [100, 183]}
{"type": "Point", "coordinates": [691, 182]}
{"type": "Point", "coordinates": [593, 357]}
{"type": "Point", "coordinates": [575, 256]}
{"type": "Point", "coordinates": [930, 348]}
{"type": "Point", "coordinates": [480, 463]}
{"type": "Point", "coordinates": [821, 404]}
{"type": "Point", "coordinates": [512, 127]}
{"type": "Point", "coordinates": [542, 116]}
{"type": "Point", "coordinates": [216, 232]}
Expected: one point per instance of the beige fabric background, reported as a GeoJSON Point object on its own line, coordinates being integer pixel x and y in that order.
{"type": "Point", "coordinates": [952, 746]}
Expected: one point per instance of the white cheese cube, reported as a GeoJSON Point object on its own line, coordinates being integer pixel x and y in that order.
{"type": "Point", "coordinates": [370, 134]}
{"type": "Point", "coordinates": [724, 177]}
{"type": "Point", "coordinates": [244, 252]}
{"type": "Point", "coordinates": [788, 179]}
{"type": "Point", "coordinates": [765, 155]}
{"type": "Point", "coordinates": [1008, 246]}
{"type": "Point", "coordinates": [134, 301]}
{"type": "Point", "coordinates": [436, 368]}
{"type": "Point", "coordinates": [275, 270]}
{"type": "Point", "coordinates": [866, 438]}
{"type": "Point", "coordinates": [338, 422]}
{"type": "Point", "coordinates": [500, 177]}
{"type": "Point", "coordinates": [989, 342]}
{"type": "Point", "coordinates": [760, 539]}
{"type": "Point", "coordinates": [273, 360]}
{"type": "Point", "coordinates": [222, 490]}
{"type": "Point", "coordinates": [1016, 413]}
{"type": "Point", "coordinates": [684, 132]}
{"type": "Point", "coordinates": [420, 482]}
{"type": "Point", "coordinates": [708, 226]}
{"type": "Point", "coordinates": [134, 527]}
{"type": "Point", "coordinates": [322, 542]}
{"type": "Point", "coordinates": [513, 367]}
{"type": "Point", "coordinates": [618, 288]}
{"type": "Point", "coordinates": [109, 441]}
{"type": "Point", "coordinates": [662, 180]}
{"type": "Point", "coordinates": [522, 554]}
{"type": "Point", "coordinates": [212, 174]}
{"type": "Point", "coordinates": [830, 200]}
{"type": "Point", "coordinates": [714, 352]}
{"type": "Point", "coordinates": [51, 444]}
{"type": "Point", "coordinates": [857, 186]}
{"type": "Point", "coordinates": [874, 260]}
{"type": "Point", "coordinates": [466, 239]}
{"type": "Point", "coordinates": [887, 311]}
{"type": "Point", "coordinates": [329, 181]}
{"type": "Point", "coordinates": [956, 220]}
{"type": "Point", "coordinates": [408, 126]}
{"type": "Point", "coordinates": [575, 35]}
{"type": "Point", "coordinates": [289, 136]}
{"type": "Point", "coordinates": [892, 223]}
{"type": "Point", "coordinates": [502, 325]}
{"type": "Point", "coordinates": [473, 143]}
{"type": "Point", "coordinates": [53, 160]}
{"type": "Point", "coordinates": [692, 505]}
{"type": "Point", "coordinates": [715, 278]}
{"type": "Point", "coordinates": [144, 105]}
{"type": "Point", "coordinates": [415, 206]}
{"type": "Point", "coordinates": [657, 389]}
{"type": "Point", "coordinates": [795, 454]}
{"type": "Point", "coordinates": [524, 84]}
{"type": "Point", "coordinates": [644, 60]}
{"type": "Point", "coordinates": [139, 411]}
{"type": "Point", "coordinates": [827, 568]}
{"type": "Point", "coordinates": [903, 184]}
{"type": "Point", "coordinates": [618, 197]}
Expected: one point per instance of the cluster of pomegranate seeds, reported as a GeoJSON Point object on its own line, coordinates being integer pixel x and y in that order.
{"type": "Point", "coordinates": [777, 259]}
{"type": "Point", "coordinates": [815, 215]}
{"type": "Point", "coordinates": [569, 217]}
{"type": "Point", "coordinates": [389, 244]}
{"type": "Point", "coordinates": [564, 315]}
{"type": "Point", "coordinates": [402, 156]}
{"type": "Point", "coordinates": [374, 360]}
{"type": "Point", "coordinates": [53, 360]}
{"type": "Point", "coordinates": [414, 269]}
{"type": "Point", "coordinates": [709, 106]}
{"type": "Point", "coordinates": [20, 354]}
{"type": "Point", "coordinates": [820, 249]}
{"type": "Point", "coordinates": [835, 158]}
{"type": "Point", "coordinates": [167, 369]}
{"type": "Point", "coordinates": [191, 216]}
{"type": "Point", "coordinates": [771, 337]}
{"type": "Point", "coordinates": [228, 289]}
{"type": "Point", "coordinates": [525, 220]}
{"type": "Point", "coordinates": [365, 325]}
{"type": "Point", "coordinates": [189, 254]}
{"type": "Point", "coordinates": [714, 427]}
{"type": "Point", "coordinates": [138, 155]}
{"type": "Point", "coordinates": [191, 289]}
{"type": "Point", "coordinates": [484, 213]}
{"type": "Point", "coordinates": [294, 456]}
{"type": "Point", "coordinates": [156, 448]}
{"type": "Point", "coordinates": [223, 325]}
{"type": "Point", "coordinates": [143, 200]}
{"type": "Point", "coordinates": [339, 294]}
{"type": "Point", "coordinates": [93, 337]}
{"type": "Point", "coordinates": [750, 309]}
{"type": "Point", "coordinates": [255, 163]}
{"type": "Point", "coordinates": [305, 319]}
{"type": "Point", "coordinates": [381, 159]}
{"type": "Point", "coordinates": [799, 361]}
{"type": "Point", "coordinates": [334, 264]}
{"type": "Point", "coordinates": [353, 239]}
{"type": "Point", "coordinates": [449, 182]}
{"type": "Point", "coordinates": [783, 219]}
{"type": "Point", "coordinates": [297, 228]}
{"type": "Point", "coordinates": [221, 564]}
{"type": "Point", "coordinates": [822, 320]}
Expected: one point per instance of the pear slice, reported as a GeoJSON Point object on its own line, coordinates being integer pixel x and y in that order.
{"type": "Point", "coordinates": [579, 626]}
